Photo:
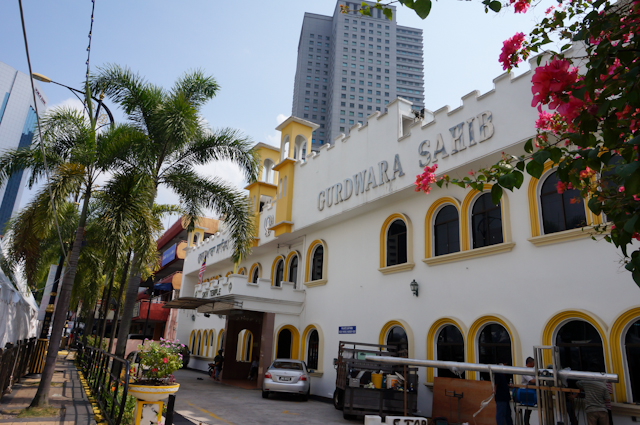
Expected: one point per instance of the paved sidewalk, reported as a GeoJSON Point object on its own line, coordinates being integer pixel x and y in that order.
{"type": "Point", "coordinates": [66, 393]}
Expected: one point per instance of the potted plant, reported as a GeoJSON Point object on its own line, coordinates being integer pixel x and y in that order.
{"type": "Point", "coordinates": [153, 378]}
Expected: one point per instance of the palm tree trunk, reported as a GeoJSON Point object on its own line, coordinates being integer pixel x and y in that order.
{"type": "Point", "coordinates": [41, 398]}
{"type": "Point", "coordinates": [88, 324]}
{"type": "Point", "coordinates": [106, 309]}
{"type": "Point", "coordinates": [127, 309]}
{"type": "Point", "coordinates": [131, 296]}
{"type": "Point", "coordinates": [123, 283]}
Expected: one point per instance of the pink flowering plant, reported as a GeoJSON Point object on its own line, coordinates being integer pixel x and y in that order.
{"type": "Point", "coordinates": [158, 361]}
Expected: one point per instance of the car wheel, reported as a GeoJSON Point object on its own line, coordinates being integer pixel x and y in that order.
{"type": "Point", "coordinates": [305, 397]}
{"type": "Point", "coordinates": [265, 394]}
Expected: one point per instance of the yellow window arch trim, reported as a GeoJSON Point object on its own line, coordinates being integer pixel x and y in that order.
{"type": "Point", "coordinates": [218, 344]}
{"type": "Point", "coordinates": [204, 351]}
{"type": "Point", "coordinates": [428, 224]}
{"type": "Point", "coordinates": [554, 323]}
{"type": "Point", "coordinates": [431, 339]}
{"type": "Point", "coordinates": [384, 269]}
{"type": "Point", "coordinates": [465, 218]}
{"type": "Point", "coordinates": [307, 272]}
{"type": "Point", "coordinates": [287, 261]}
{"type": "Point", "coordinates": [382, 339]}
{"type": "Point", "coordinates": [242, 271]}
{"type": "Point", "coordinates": [212, 335]}
{"type": "Point", "coordinates": [244, 346]}
{"type": "Point", "coordinates": [192, 336]}
{"type": "Point", "coordinates": [616, 339]}
{"type": "Point", "coordinates": [535, 213]}
{"type": "Point", "coordinates": [480, 323]}
{"type": "Point", "coordinates": [253, 267]}
{"type": "Point", "coordinates": [303, 351]}
{"type": "Point", "coordinates": [273, 268]}
{"type": "Point", "coordinates": [198, 351]}
{"type": "Point", "coordinates": [229, 273]}
{"type": "Point", "coordinates": [295, 341]}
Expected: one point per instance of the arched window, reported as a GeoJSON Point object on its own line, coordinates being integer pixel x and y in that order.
{"type": "Point", "coordinates": [278, 275]}
{"type": "Point", "coordinates": [397, 243]}
{"type": "Point", "coordinates": [293, 271]}
{"type": "Point", "coordinates": [486, 222]}
{"type": "Point", "coordinates": [285, 148]}
{"type": "Point", "coordinates": [205, 343]}
{"type": "Point", "coordinates": [300, 148]}
{"type": "Point", "coordinates": [220, 341]}
{"type": "Point", "coordinates": [254, 273]}
{"type": "Point", "coordinates": [494, 347]}
{"type": "Point", "coordinates": [558, 211]}
{"type": "Point", "coordinates": [317, 262]}
{"type": "Point", "coordinates": [398, 337]}
{"type": "Point", "coordinates": [212, 340]}
{"type": "Point", "coordinates": [192, 342]}
{"type": "Point", "coordinates": [446, 230]}
{"type": "Point", "coordinates": [581, 346]}
{"type": "Point", "coordinates": [450, 348]}
{"type": "Point", "coordinates": [285, 342]}
{"type": "Point", "coordinates": [242, 271]}
{"type": "Point", "coordinates": [632, 351]}
{"type": "Point", "coordinates": [267, 172]}
{"type": "Point", "coordinates": [196, 237]}
{"type": "Point", "coordinates": [313, 350]}
{"type": "Point", "coordinates": [198, 344]}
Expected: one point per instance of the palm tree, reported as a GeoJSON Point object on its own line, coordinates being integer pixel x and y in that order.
{"type": "Point", "coordinates": [178, 141]}
{"type": "Point", "coordinates": [77, 154]}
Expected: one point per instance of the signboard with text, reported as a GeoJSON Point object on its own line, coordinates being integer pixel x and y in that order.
{"type": "Point", "coordinates": [346, 329]}
{"type": "Point", "coordinates": [169, 255]}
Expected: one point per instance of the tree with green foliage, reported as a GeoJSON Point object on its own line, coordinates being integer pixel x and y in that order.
{"type": "Point", "coordinates": [176, 141]}
{"type": "Point", "coordinates": [75, 154]}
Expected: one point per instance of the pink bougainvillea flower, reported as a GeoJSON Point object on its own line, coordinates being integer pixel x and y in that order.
{"type": "Point", "coordinates": [552, 78]}
{"type": "Point", "coordinates": [560, 187]}
{"type": "Point", "coordinates": [621, 189]}
{"type": "Point", "coordinates": [166, 360]}
{"type": "Point", "coordinates": [424, 180]}
{"type": "Point", "coordinates": [509, 55]}
{"type": "Point", "coordinates": [521, 6]}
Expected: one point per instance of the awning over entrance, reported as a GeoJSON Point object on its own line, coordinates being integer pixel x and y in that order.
{"type": "Point", "coordinates": [236, 293]}
{"type": "Point", "coordinates": [204, 305]}
{"type": "Point", "coordinates": [187, 303]}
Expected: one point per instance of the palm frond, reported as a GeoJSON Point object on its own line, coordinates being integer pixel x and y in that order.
{"type": "Point", "coordinates": [197, 192]}
{"type": "Point", "coordinates": [196, 87]}
{"type": "Point", "coordinates": [219, 145]}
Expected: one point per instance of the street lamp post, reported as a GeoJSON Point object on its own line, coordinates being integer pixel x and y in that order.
{"type": "Point", "coordinates": [45, 79]}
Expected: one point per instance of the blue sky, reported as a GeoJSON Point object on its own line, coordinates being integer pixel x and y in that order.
{"type": "Point", "coordinates": [250, 47]}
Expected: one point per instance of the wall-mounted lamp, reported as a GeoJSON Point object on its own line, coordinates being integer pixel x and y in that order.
{"type": "Point", "coordinates": [414, 287]}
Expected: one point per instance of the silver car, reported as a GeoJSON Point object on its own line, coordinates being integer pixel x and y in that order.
{"type": "Point", "coordinates": [287, 376]}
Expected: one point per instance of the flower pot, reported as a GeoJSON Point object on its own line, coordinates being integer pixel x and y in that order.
{"type": "Point", "coordinates": [152, 392]}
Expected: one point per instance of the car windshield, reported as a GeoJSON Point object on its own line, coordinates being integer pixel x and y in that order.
{"type": "Point", "coordinates": [287, 365]}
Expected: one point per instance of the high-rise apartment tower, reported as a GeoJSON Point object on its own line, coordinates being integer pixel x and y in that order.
{"type": "Point", "coordinates": [350, 66]}
{"type": "Point", "coordinates": [17, 127]}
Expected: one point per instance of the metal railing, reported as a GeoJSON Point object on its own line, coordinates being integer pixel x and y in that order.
{"type": "Point", "coordinates": [108, 378]}
{"type": "Point", "coordinates": [14, 363]}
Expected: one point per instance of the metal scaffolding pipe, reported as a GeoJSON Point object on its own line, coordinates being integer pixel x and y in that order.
{"type": "Point", "coordinates": [512, 370]}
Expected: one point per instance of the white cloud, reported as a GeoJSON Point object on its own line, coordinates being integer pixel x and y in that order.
{"type": "Point", "coordinates": [274, 139]}
{"type": "Point", "coordinates": [280, 118]}
{"type": "Point", "coordinates": [72, 102]}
